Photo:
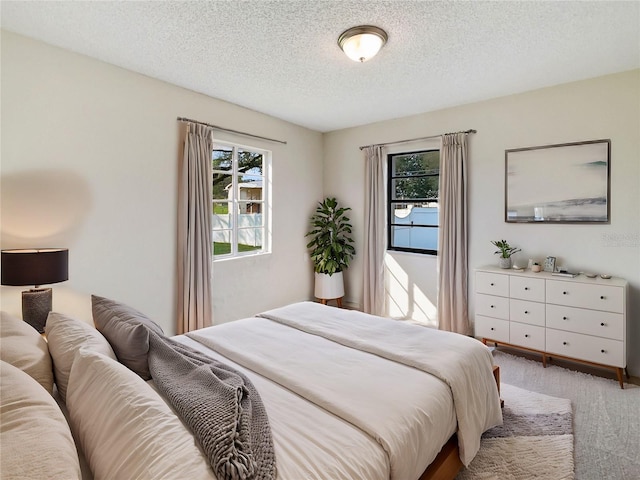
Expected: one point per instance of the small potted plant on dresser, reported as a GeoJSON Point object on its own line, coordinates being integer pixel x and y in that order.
{"type": "Point", "coordinates": [505, 251]}
{"type": "Point", "coordinates": [331, 249]}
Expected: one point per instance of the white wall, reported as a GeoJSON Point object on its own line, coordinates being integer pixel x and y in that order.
{"type": "Point", "coordinates": [605, 107]}
{"type": "Point", "coordinates": [89, 162]}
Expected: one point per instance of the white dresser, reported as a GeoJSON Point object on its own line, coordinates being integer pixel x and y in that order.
{"type": "Point", "coordinates": [577, 318]}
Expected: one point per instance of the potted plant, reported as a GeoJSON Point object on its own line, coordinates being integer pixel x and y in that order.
{"type": "Point", "coordinates": [331, 248]}
{"type": "Point", "coordinates": [505, 250]}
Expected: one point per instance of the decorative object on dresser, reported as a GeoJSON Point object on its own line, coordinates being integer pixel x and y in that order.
{"type": "Point", "coordinates": [536, 189]}
{"type": "Point", "coordinates": [550, 264]}
{"type": "Point", "coordinates": [505, 250]}
{"type": "Point", "coordinates": [578, 318]}
{"type": "Point", "coordinates": [40, 266]}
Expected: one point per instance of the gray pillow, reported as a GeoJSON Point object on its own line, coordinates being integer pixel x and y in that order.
{"type": "Point", "coordinates": [127, 330]}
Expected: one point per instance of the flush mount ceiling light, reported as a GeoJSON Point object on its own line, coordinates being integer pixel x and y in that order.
{"type": "Point", "coordinates": [363, 42]}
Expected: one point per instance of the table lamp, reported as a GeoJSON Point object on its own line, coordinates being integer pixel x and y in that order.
{"type": "Point", "coordinates": [36, 267]}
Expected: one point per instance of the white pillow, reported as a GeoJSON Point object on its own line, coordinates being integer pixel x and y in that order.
{"type": "Point", "coordinates": [125, 428]}
{"type": "Point", "coordinates": [24, 348]}
{"type": "Point", "coordinates": [35, 437]}
{"type": "Point", "coordinates": [65, 336]}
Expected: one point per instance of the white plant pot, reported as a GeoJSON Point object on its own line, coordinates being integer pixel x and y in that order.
{"type": "Point", "coordinates": [505, 262]}
{"type": "Point", "coordinates": [329, 287]}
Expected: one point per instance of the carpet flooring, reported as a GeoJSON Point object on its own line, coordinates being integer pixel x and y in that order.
{"type": "Point", "coordinates": [606, 418]}
{"type": "Point", "coordinates": [535, 440]}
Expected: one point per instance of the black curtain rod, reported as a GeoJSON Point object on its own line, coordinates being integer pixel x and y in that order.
{"type": "Point", "coordinates": [415, 139]}
{"type": "Point", "coordinates": [188, 120]}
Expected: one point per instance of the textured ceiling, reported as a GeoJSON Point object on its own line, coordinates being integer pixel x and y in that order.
{"type": "Point", "coordinates": [281, 57]}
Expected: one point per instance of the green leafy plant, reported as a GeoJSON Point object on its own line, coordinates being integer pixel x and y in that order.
{"type": "Point", "coordinates": [505, 250]}
{"type": "Point", "coordinates": [331, 244]}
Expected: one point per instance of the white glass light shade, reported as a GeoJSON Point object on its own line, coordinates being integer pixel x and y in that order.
{"type": "Point", "coordinates": [362, 43]}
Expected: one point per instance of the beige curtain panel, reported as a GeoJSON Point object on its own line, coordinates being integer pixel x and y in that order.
{"type": "Point", "coordinates": [194, 230]}
{"type": "Point", "coordinates": [375, 231]}
{"type": "Point", "coordinates": [452, 236]}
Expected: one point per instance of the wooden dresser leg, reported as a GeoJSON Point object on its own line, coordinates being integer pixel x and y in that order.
{"type": "Point", "coordinates": [620, 378]}
{"type": "Point", "coordinates": [544, 360]}
{"type": "Point", "coordinates": [339, 300]}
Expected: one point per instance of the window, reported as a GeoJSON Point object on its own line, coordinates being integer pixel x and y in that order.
{"type": "Point", "coordinates": [239, 200]}
{"type": "Point", "coordinates": [413, 201]}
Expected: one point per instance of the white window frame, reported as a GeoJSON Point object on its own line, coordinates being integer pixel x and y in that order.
{"type": "Point", "coordinates": [234, 203]}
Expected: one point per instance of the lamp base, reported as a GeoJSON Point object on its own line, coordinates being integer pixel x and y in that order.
{"type": "Point", "coordinates": [36, 305]}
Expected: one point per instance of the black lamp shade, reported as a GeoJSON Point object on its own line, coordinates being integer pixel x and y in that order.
{"type": "Point", "coordinates": [35, 266]}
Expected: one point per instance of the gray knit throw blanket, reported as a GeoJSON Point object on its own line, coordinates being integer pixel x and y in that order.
{"type": "Point", "coordinates": [221, 407]}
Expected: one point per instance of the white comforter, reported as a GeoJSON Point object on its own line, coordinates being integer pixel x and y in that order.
{"type": "Point", "coordinates": [409, 413]}
{"type": "Point", "coordinates": [309, 442]}
{"type": "Point", "coordinates": [461, 362]}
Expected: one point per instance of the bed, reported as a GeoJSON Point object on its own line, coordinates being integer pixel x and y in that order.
{"type": "Point", "coordinates": [348, 395]}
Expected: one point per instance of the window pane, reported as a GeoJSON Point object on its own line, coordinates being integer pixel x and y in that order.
{"type": "Point", "coordinates": [222, 186]}
{"type": "Point", "coordinates": [222, 158]}
{"type": "Point", "coordinates": [415, 188]}
{"type": "Point", "coordinates": [250, 164]}
{"type": "Point", "coordinates": [221, 219]}
{"type": "Point", "coordinates": [222, 242]}
{"type": "Point", "coordinates": [414, 237]}
{"type": "Point", "coordinates": [420, 163]}
{"type": "Point", "coordinates": [249, 239]}
{"type": "Point", "coordinates": [221, 208]}
{"type": "Point", "coordinates": [415, 214]}
{"type": "Point", "coordinates": [250, 208]}
{"type": "Point", "coordinates": [250, 190]}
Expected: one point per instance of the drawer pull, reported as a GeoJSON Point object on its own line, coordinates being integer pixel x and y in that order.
{"type": "Point", "coordinates": [492, 306]}
{"type": "Point", "coordinates": [492, 284]}
{"type": "Point", "coordinates": [603, 351]}
{"type": "Point", "coordinates": [526, 288]}
{"type": "Point", "coordinates": [492, 329]}
{"type": "Point", "coordinates": [565, 318]}
{"type": "Point", "coordinates": [603, 324]}
{"type": "Point", "coordinates": [602, 297]}
{"type": "Point", "coordinates": [564, 343]}
{"type": "Point", "coordinates": [564, 293]}
{"type": "Point", "coordinates": [526, 335]}
{"type": "Point", "coordinates": [526, 312]}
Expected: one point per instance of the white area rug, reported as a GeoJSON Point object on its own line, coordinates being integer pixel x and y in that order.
{"type": "Point", "coordinates": [606, 419]}
{"type": "Point", "coordinates": [535, 441]}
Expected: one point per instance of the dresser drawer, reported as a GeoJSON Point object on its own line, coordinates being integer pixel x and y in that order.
{"type": "Point", "coordinates": [527, 288]}
{"type": "Point", "coordinates": [529, 336]}
{"type": "Point", "coordinates": [591, 322]}
{"type": "Point", "coordinates": [492, 284]}
{"type": "Point", "coordinates": [486, 327]}
{"type": "Point", "coordinates": [586, 347]}
{"type": "Point", "coordinates": [596, 297]}
{"type": "Point", "coordinates": [522, 311]}
{"type": "Point", "coordinates": [491, 306]}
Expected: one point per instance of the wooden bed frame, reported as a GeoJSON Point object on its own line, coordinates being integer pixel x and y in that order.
{"type": "Point", "coordinates": [447, 463]}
